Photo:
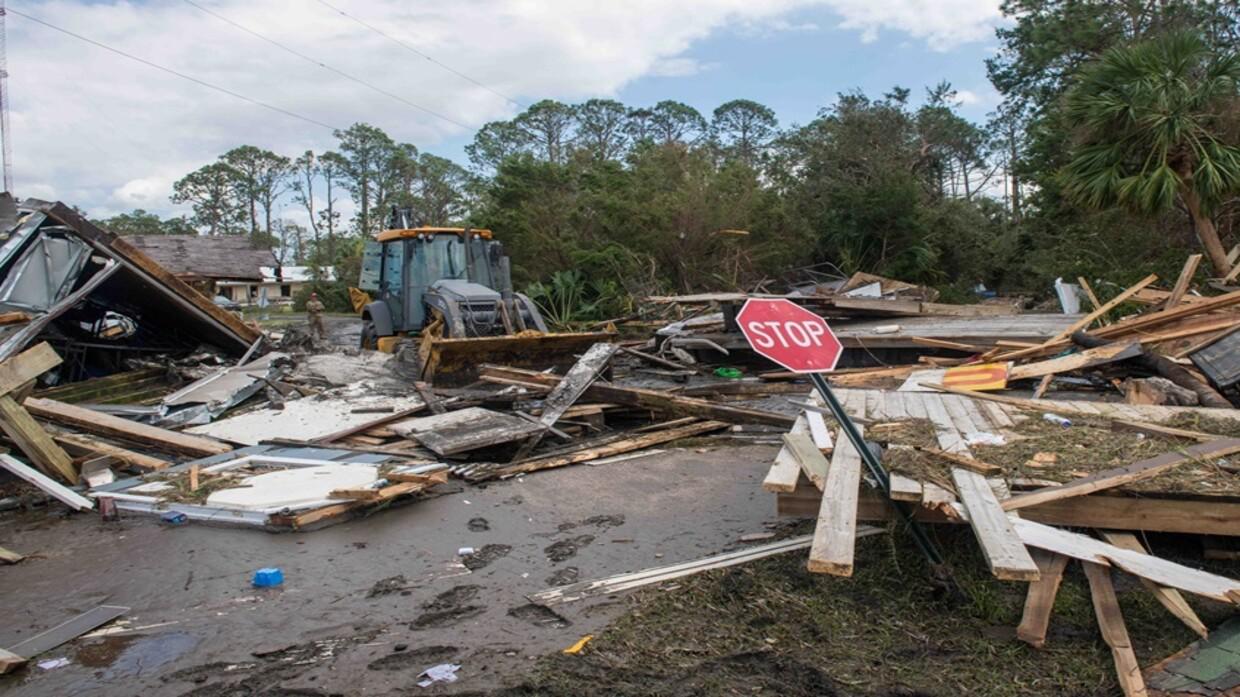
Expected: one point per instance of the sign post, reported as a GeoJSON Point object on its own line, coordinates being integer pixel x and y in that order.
{"type": "Point", "coordinates": [799, 340]}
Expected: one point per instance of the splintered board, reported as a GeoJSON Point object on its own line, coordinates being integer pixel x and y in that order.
{"type": "Point", "coordinates": [465, 430]}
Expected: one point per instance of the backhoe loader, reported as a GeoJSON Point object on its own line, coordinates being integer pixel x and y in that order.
{"type": "Point", "coordinates": [442, 297]}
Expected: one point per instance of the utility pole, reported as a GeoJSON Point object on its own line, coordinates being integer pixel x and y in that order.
{"type": "Point", "coordinates": [6, 134]}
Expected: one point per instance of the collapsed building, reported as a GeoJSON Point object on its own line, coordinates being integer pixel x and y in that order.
{"type": "Point", "coordinates": [97, 299]}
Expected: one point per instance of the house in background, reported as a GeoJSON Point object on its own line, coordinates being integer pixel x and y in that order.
{"type": "Point", "coordinates": [229, 266]}
{"type": "Point", "coordinates": [212, 265]}
{"type": "Point", "coordinates": [280, 284]}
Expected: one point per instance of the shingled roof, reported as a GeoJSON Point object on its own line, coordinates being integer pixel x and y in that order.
{"type": "Point", "coordinates": [220, 258]}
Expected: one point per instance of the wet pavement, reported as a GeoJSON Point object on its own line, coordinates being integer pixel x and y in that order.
{"type": "Point", "coordinates": [369, 604]}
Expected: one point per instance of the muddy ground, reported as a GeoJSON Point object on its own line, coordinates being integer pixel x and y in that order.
{"type": "Point", "coordinates": [369, 604]}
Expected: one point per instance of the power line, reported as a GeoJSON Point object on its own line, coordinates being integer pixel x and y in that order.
{"type": "Point", "coordinates": [325, 66]}
{"type": "Point", "coordinates": [407, 47]}
{"type": "Point", "coordinates": [170, 71]}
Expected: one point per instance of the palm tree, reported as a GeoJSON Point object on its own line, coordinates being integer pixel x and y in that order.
{"type": "Point", "coordinates": [1157, 125]}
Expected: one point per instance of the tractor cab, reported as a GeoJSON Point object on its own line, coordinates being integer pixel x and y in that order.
{"type": "Point", "coordinates": [457, 276]}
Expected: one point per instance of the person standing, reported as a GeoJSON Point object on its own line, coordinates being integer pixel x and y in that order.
{"type": "Point", "coordinates": [314, 312]}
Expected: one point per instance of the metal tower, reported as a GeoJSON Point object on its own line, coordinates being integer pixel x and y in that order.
{"type": "Point", "coordinates": [6, 135]}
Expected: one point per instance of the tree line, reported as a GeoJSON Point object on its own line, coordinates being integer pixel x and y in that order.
{"type": "Point", "coordinates": [1115, 150]}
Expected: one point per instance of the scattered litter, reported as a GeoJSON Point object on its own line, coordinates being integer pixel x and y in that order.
{"type": "Point", "coordinates": [578, 645]}
{"type": "Point", "coordinates": [268, 577]}
{"type": "Point", "coordinates": [53, 663]}
{"type": "Point", "coordinates": [444, 672]}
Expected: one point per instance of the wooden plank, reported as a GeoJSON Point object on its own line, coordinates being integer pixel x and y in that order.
{"type": "Point", "coordinates": [1193, 517]}
{"type": "Point", "coordinates": [1160, 571]}
{"type": "Point", "coordinates": [1088, 358]}
{"type": "Point", "coordinates": [649, 399]}
{"type": "Point", "coordinates": [1040, 600]}
{"type": "Point", "coordinates": [81, 445]}
{"type": "Point", "coordinates": [570, 388]}
{"type": "Point", "coordinates": [1161, 431]}
{"type": "Point", "coordinates": [27, 366]}
{"type": "Point", "coordinates": [904, 488]}
{"type": "Point", "coordinates": [818, 431]}
{"type": "Point", "coordinates": [1169, 597]}
{"type": "Point", "coordinates": [1182, 283]}
{"type": "Point", "coordinates": [950, 345]}
{"type": "Point", "coordinates": [52, 488]}
{"type": "Point", "coordinates": [613, 448]}
{"type": "Point", "coordinates": [1005, 553]}
{"type": "Point", "coordinates": [67, 630]}
{"type": "Point", "coordinates": [628, 581]}
{"type": "Point", "coordinates": [834, 543]}
{"type": "Point", "coordinates": [935, 496]}
{"type": "Point", "coordinates": [1119, 476]}
{"type": "Point", "coordinates": [1089, 293]}
{"type": "Point", "coordinates": [964, 461]}
{"type": "Point", "coordinates": [115, 427]}
{"type": "Point", "coordinates": [808, 457]}
{"type": "Point", "coordinates": [1114, 633]}
{"type": "Point", "coordinates": [32, 440]}
{"type": "Point", "coordinates": [785, 470]}
{"type": "Point", "coordinates": [893, 404]}
{"type": "Point", "coordinates": [10, 661]}
{"type": "Point", "coordinates": [466, 429]}
{"type": "Point", "coordinates": [1084, 322]}
{"type": "Point", "coordinates": [387, 493]}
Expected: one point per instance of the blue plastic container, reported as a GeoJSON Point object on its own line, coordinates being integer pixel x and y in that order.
{"type": "Point", "coordinates": [268, 578]}
{"type": "Point", "coordinates": [174, 518]}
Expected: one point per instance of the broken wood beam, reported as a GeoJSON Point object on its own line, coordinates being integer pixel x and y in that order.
{"type": "Point", "coordinates": [52, 488]}
{"type": "Point", "coordinates": [1161, 430]}
{"type": "Point", "coordinates": [1176, 373]}
{"type": "Point", "coordinates": [1119, 476]}
{"type": "Point", "coordinates": [1169, 597]}
{"type": "Point", "coordinates": [964, 461]}
{"type": "Point", "coordinates": [1040, 599]}
{"type": "Point", "coordinates": [8, 556]}
{"type": "Point", "coordinates": [1182, 283]}
{"type": "Point", "coordinates": [31, 439]}
{"type": "Point", "coordinates": [785, 470]}
{"type": "Point", "coordinates": [649, 399]}
{"type": "Point", "coordinates": [1004, 551]}
{"type": "Point", "coordinates": [1089, 358]}
{"type": "Point", "coordinates": [131, 431]}
{"type": "Point", "coordinates": [1114, 633]}
{"type": "Point", "coordinates": [589, 452]}
{"type": "Point", "coordinates": [835, 534]}
{"type": "Point", "coordinates": [810, 458]}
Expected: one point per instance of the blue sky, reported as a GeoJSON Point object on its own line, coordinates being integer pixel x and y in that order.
{"type": "Point", "coordinates": [797, 71]}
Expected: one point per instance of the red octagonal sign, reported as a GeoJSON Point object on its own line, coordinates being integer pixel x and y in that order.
{"type": "Point", "coordinates": [789, 335]}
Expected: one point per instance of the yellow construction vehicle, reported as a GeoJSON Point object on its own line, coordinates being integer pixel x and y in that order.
{"type": "Point", "coordinates": [450, 291]}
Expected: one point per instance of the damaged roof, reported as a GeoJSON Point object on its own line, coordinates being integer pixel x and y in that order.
{"type": "Point", "coordinates": [96, 298]}
{"type": "Point", "coordinates": [232, 257]}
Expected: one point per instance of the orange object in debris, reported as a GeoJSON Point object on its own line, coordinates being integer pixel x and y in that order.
{"type": "Point", "coordinates": [980, 377]}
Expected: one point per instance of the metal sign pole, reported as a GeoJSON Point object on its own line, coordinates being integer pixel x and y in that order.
{"type": "Point", "coordinates": [928, 548]}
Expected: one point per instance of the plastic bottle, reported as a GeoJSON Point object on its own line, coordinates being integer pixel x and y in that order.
{"type": "Point", "coordinates": [1057, 419]}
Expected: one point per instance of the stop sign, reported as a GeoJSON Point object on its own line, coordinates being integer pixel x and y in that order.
{"type": "Point", "coordinates": [789, 335]}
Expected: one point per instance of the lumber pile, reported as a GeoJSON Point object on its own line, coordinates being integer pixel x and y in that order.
{"type": "Point", "coordinates": [955, 458]}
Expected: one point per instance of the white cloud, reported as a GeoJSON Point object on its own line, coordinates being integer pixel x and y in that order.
{"type": "Point", "coordinates": [105, 133]}
{"type": "Point", "coordinates": [967, 97]}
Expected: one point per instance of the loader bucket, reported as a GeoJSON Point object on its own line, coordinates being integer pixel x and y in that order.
{"type": "Point", "coordinates": [456, 361]}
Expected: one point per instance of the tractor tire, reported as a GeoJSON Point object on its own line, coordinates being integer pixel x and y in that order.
{"type": "Point", "coordinates": [370, 337]}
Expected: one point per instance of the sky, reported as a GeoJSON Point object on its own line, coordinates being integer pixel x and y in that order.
{"type": "Point", "coordinates": [109, 134]}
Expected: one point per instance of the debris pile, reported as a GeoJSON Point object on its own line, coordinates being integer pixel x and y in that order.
{"type": "Point", "coordinates": [1154, 450]}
